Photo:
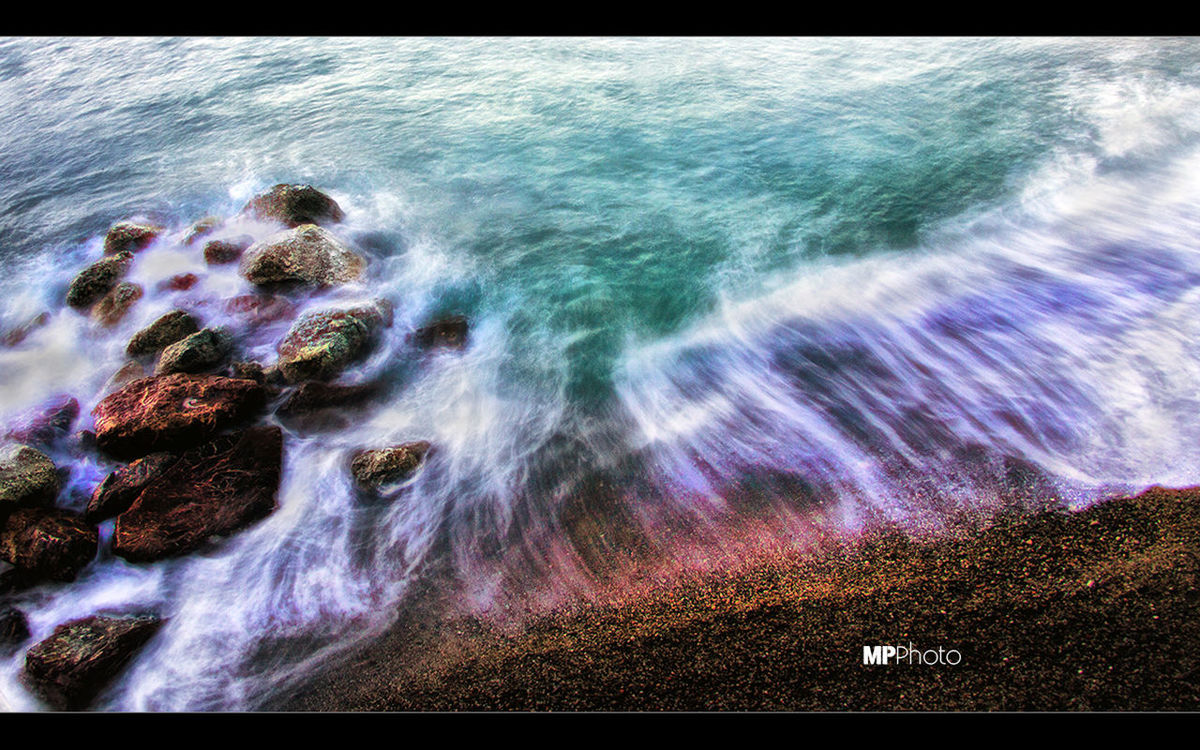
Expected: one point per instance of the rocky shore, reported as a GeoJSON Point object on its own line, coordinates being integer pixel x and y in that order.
{"type": "Point", "coordinates": [1047, 610]}
{"type": "Point", "coordinates": [187, 427]}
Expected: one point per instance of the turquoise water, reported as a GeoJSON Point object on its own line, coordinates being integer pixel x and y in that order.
{"type": "Point", "coordinates": [865, 271]}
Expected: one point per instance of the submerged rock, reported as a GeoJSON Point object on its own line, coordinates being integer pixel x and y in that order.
{"type": "Point", "coordinates": [258, 309]}
{"type": "Point", "coordinates": [202, 228]}
{"type": "Point", "coordinates": [213, 490]}
{"type": "Point", "coordinates": [314, 395]}
{"type": "Point", "coordinates": [81, 657]}
{"type": "Point", "coordinates": [449, 332]}
{"type": "Point", "coordinates": [46, 423]}
{"type": "Point", "coordinates": [174, 326]}
{"type": "Point", "coordinates": [112, 308]}
{"type": "Point", "coordinates": [305, 255]}
{"type": "Point", "coordinates": [28, 478]}
{"type": "Point", "coordinates": [373, 469]}
{"type": "Point", "coordinates": [293, 205]}
{"type": "Point", "coordinates": [14, 336]}
{"type": "Point", "coordinates": [14, 629]}
{"type": "Point", "coordinates": [97, 280]}
{"type": "Point", "coordinates": [321, 344]}
{"type": "Point", "coordinates": [220, 252]}
{"type": "Point", "coordinates": [180, 282]}
{"type": "Point", "coordinates": [202, 350]}
{"type": "Point", "coordinates": [119, 489]}
{"type": "Point", "coordinates": [172, 412]}
{"type": "Point", "coordinates": [47, 543]}
{"type": "Point", "coordinates": [127, 236]}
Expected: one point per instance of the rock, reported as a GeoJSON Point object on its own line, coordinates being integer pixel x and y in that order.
{"type": "Point", "coordinates": [321, 344]}
{"type": "Point", "coordinates": [293, 205]}
{"type": "Point", "coordinates": [110, 310]}
{"type": "Point", "coordinates": [119, 489]}
{"type": "Point", "coordinates": [14, 629]}
{"type": "Point", "coordinates": [14, 336]}
{"type": "Point", "coordinates": [45, 423]}
{"type": "Point", "coordinates": [127, 236]}
{"type": "Point", "coordinates": [305, 255]}
{"type": "Point", "coordinates": [28, 478]}
{"type": "Point", "coordinates": [172, 412]}
{"type": "Point", "coordinates": [97, 280]}
{"type": "Point", "coordinates": [47, 543]}
{"type": "Point", "coordinates": [180, 282]}
{"type": "Point", "coordinates": [313, 396]}
{"type": "Point", "coordinates": [129, 372]}
{"type": "Point", "coordinates": [248, 371]}
{"type": "Point", "coordinates": [374, 468]}
{"type": "Point", "coordinates": [450, 332]}
{"type": "Point", "coordinates": [174, 326]}
{"type": "Point", "coordinates": [221, 252]}
{"type": "Point", "coordinates": [202, 228]}
{"type": "Point", "coordinates": [203, 350]}
{"type": "Point", "coordinates": [11, 578]}
{"type": "Point", "coordinates": [213, 490]}
{"type": "Point", "coordinates": [258, 309]}
{"type": "Point", "coordinates": [80, 658]}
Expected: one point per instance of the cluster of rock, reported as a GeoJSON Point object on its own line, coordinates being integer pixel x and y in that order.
{"type": "Point", "coordinates": [199, 458]}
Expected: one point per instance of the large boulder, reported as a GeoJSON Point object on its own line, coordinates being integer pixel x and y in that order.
{"type": "Point", "coordinates": [321, 344]}
{"type": "Point", "coordinates": [47, 543]}
{"type": "Point", "coordinates": [213, 490]}
{"type": "Point", "coordinates": [28, 478]}
{"type": "Point", "coordinates": [373, 469]}
{"type": "Point", "coordinates": [81, 657]}
{"type": "Point", "coordinates": [45, 423]}
{"type": "Point", "coordinates": [97, 280]}
{"type": "Point", "coordinates": [128, 236]}
{"type": "Point", "coordinates": [119, 489]}
{"type": "Point", "coordinates": [304, 255]}
{"type": "Point", "coordinates": [203, 350]}
{"type": "Point", "coordinates": [111, 309]}
{"type": "Point", "coordinates": [449, 332]}
{"type": "Point", "coordinates": [172, 327]}
{"type": "Point", "coordinates": [172, 412]}
{"type": "Point", "coordinates": [293, 205]}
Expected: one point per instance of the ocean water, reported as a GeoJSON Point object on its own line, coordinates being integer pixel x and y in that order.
{"type": "Point", "coordinates": [722, 293]}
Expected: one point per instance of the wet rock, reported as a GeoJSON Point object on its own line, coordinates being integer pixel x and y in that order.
{"type": "Point", "coordinates": [172, 412]}
{"type": "Point", "coordinates": [11, 578]}
{"type": "Point", "coordinates": [127, 236]}
{"type": "Point", "coordinates": [14, 336]}
{"type": "Point", "coordinates": [449, 332]}
{"type": "Point", "coordinates": [47, 543]}
{"type": "Point", "coordinates": [248, 371]}
{"type": "Point", "coordinates": [97, 280]}
{"type": "Point", "coordinates": [119, 489]}
{"type": "Point", "coordinates": [203, 350]}
{"type": "Point", "coordinates": [257, 309]}
{"type": "Point", "coordinates": [46, 423]}
{"type": "Point", "coordinates": [305, 255]}
{"type": "Point", "coordinates": [373, 469]}
{"type": "Point", "coordinates": [112, 308]}
{"type": "Point", "coordinates": [221, 252]}
{"type": "Point", "coordinates": [174, 326]}
{"type": "Point", "coordinates": [129, 372]}
{"type": "Point", "coordinates": [293, 205]}
{"type": "Point", "coordinates": [321, 344]}
{"type": "Point", "coordinates": [313, 395]}
{"type": "Point", "coordinates": [213, 490]}
{"type": "Point", "coordinates": [28, 478]}
{"type": "Point", "coordinates": [80, 658]}
{"type": "Point", "coordinates": [180, 282]}
{"type": "Point", "coordinates": [202, 229]}
{"type": "Point", "coordinates": [14, 629]}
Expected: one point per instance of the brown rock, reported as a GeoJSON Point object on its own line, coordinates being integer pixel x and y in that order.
{"type": "Point", "coordinates": [221, 252]}
{"type": "Point", "coordinates": [248, 371]}
{"type": "Point", "coordinates": [450, 332]}
{"type": "Point", "coordinates": [214, 490]}
{"type": "Point", "coordinates": [168, 329]}
{"type": "Point", "coordinates": [293, 205]}
{"type": "Point", "coordinates": [119, 489]}
{"type": "Point", "coordinates": [304, 255]}
{"type": "Point", "coordinates": [257, 309]}
{"type": "Point", "coordinates": [180, 282]}
{"type": "Point", "coordinates": [14, 336]}
{"type": "Point", "coordinates": [97, 280]}
{"type": "Point", "coordinates": [81, 657]}
{"type": "Point", "coordinates": [110, 310]}
{"type": "Point", "coordinates": [373, 469]}
{"type": "Point", "coordinates": [27, 478]}
{"type": "Point", "coordinates": [172, 412]}
{"type": "Point", "coordinates": [127, 236]}
{"type": "Point", "coordinates": [47, 543]}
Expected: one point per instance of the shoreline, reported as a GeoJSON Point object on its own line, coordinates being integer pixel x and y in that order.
{"type": "Point", "coordinates": [1097, 609]}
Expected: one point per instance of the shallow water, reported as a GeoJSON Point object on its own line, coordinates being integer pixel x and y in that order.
{"type": "Point", "coordinates": [721, 280]}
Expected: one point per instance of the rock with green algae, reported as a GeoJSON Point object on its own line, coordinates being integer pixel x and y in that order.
{"type": "Point", "coordinates": [128, 236]}
{"type": "Point", "coordinates": [97, 280]}
{"type": "Point", "coordinates": [28, 478]}
{"type": "Point", "coordinates": [306, 255]}
{"type": "Point", "coordinates": [166, 330]}
{"type": "Point", "coordinates": [322, 344]}
{"type": "Point", "coordinates": [373, 469]}
{"type": "Point", "coordinates": [203, 350]}
{"type": "Point", "coordinates": [293, 205]}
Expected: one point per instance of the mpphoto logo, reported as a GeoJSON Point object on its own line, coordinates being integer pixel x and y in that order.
{"type": "Point", "coordinates": [910, 654]}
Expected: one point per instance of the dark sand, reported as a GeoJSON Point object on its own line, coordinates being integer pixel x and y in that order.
{"type": "Point", "coordinates": [1094, 610]}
